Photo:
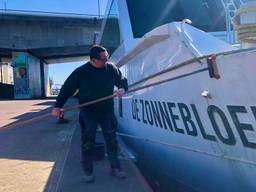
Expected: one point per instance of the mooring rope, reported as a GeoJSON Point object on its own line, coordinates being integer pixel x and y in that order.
{"type": "Point", "coordinates": [25, 122]}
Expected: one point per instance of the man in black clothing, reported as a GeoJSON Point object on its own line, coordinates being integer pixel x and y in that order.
{"type": "Point", "coordinates": [95, 79]}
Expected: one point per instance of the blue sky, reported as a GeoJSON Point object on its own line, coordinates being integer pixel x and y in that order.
{"type": "Point", "coordinates": [59, 72]}
{"type": "Point", "coordinates": [73, 6]}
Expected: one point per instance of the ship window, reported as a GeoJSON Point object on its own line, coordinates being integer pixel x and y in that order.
{"type": "Point", "coordinates": [145, 15]}
{"type": "Point", "coordinates": [111, 34]}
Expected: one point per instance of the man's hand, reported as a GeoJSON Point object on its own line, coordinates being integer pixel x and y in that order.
{"type": "Point", "coordinates": [120, 92]}
{"type": "Point", "coordinates": [56, 111]}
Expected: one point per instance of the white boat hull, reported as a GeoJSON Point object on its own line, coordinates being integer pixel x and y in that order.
{"type": "Point", "coordinates": [195, 130]}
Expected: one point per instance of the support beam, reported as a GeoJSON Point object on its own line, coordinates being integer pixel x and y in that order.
{"type": "Point", "coordinates": [43, 87]}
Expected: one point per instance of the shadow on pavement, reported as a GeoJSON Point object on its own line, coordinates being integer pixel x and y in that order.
{"type": "Point", "coordinates": [31, 155]}
{"type": "Point", "coordinates": [45, 156]}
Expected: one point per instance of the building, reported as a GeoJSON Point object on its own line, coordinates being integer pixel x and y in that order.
{"type": "Point", "coordinates": [6, 72]}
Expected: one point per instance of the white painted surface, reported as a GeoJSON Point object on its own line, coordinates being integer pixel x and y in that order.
{"type": "Point", "coordinates": [197, 162]}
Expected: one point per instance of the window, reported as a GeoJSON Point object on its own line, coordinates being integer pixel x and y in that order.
{"type": "Point", "coordinates": [111, 34]}
{"type": "Point", "coordinates": [146, 15]}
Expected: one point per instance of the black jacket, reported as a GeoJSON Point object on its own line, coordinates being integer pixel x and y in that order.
{"type": "Point", "coordinates": [92, 83]}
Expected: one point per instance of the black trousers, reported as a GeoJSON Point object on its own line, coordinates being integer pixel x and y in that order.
{"type": "Point", "coordinates": [89, 121]}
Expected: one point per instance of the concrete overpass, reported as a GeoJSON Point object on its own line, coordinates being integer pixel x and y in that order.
{"type": "Point", "coordinates": [30, 40]}
{"type": "Point", "coordinates": [48, 36]}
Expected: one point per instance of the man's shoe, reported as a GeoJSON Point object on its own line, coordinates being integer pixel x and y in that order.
{"type": "Point", "coordinates": [89, 178]}
{"type": "Point", "coordinates": [118, 173]}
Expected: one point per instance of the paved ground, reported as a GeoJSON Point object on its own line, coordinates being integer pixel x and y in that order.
{"type": "Point", "coordinates": [72, 178]}
{"type": "Point", "coordinates": [17, 110]}
{"type": "Point", "coordinates": [45, 156]}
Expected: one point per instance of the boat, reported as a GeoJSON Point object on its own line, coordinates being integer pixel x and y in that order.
{"type": "Point", "coordinates": [189, 117]}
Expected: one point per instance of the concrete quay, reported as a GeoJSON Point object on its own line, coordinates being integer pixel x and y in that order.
{"type": "Point", "coordinates": [45, 156]}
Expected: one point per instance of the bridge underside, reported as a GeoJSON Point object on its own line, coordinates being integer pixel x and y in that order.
{"type": "Point", "coordinates": [29, 41]}
{"type": "Point", "coordinates": [51, 38]}
{"type": "Point", "coordinates": [53, 54]}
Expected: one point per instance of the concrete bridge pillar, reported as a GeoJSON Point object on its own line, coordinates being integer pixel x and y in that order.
{"type": "Point", "coordinates": [43, 71]}
{"type": "Point", "coordinates": [45, 80]}
{"type": "Point", "coordinates": [28, 76]}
